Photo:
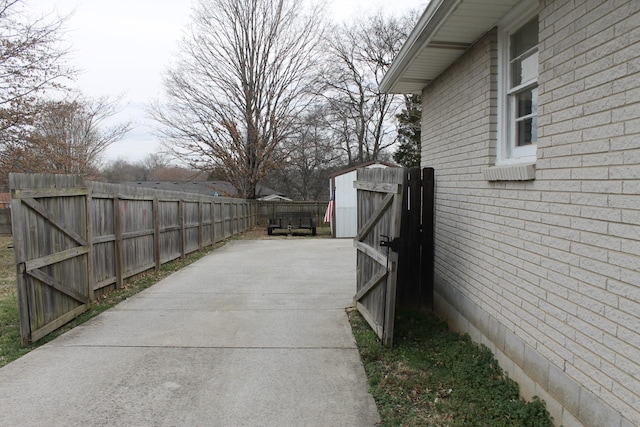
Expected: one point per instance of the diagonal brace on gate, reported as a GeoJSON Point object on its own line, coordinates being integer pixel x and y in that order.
{"type": "Point", "coordinates": [51, 217]}
{"type": "Point", "coordinates": [366, 228]}
{"type": "Point", "coordinates": [371, 284]}
{"type": "Point", "coordinates": [56, 284]}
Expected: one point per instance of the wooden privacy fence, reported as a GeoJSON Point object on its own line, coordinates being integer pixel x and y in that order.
{"type": "Point", "coordinates": [394, 244]}
{"type": "Point", "coordinates": [268, 209]}
{"type": "Point", "coordinates": [76, 240]}
{"type": "Point", "coordinates": [379, 214]}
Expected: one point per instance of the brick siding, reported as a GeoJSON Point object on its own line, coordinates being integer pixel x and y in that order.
{"type": "Point", "coordinates": [547, 272]}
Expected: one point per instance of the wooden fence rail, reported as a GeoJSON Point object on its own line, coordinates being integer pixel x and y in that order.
{"type": "Point", "coordinates": [268, 209]}
{"type": "Point", "coordinates": [75, 241]}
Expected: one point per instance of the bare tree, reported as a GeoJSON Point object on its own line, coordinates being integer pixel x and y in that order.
{"type": "Point", "coordinates": [155, 161]}
{"type": "Point", "coordinates": [67, 136]}
{"type": "Point", "coordinates": [244, 73]}
{"type": "Point", "coordinates": [305, 159]}
{"type": "Point", "coordinates": [122, 170]}
{"type": "Point", "coordinates": [32, 60]}
{"type": "Point", "coordinates": [154, 167]}
{"type": "Point", "coordinates": [362, 116]}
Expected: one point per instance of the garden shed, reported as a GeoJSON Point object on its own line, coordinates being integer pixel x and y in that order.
{"type": "Point", "coordinates": [344, 218]}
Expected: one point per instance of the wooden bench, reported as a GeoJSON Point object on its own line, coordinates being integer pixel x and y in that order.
{"type": "Point", "coordinates": [292, 221]}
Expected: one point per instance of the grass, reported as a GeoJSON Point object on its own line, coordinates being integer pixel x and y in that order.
{"type": "Point", "coordinates": [433, 377]}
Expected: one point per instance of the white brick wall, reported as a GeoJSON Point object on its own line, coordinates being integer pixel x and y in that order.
{"type": "Point", "coordinates": [554, 261]}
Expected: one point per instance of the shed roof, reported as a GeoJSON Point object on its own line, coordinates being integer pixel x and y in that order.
{"type": "Point", "coordinates": [363, 165]}
{"type": "Point", "coordinates": [444, 32]}
{"type": "Point", "coordinates": [223, 188]}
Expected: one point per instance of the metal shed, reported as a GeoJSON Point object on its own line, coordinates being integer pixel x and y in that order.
{"type": "Point", "coordinates": [344, 221]}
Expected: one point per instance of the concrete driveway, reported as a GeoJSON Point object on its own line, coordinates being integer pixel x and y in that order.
{"type": "Point", "coordinates": [254, 334]}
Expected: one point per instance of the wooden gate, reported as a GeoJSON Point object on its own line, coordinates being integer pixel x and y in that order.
{"type": "Point", "coordinates": [379, 219]}
{"type": "Point", "coordinates": [52, 255]}
{"type": "Point", "coordinates": [395, 244]}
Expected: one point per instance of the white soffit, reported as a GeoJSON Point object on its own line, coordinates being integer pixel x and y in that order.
{"type": "Point", "coordinates": [446, 29]}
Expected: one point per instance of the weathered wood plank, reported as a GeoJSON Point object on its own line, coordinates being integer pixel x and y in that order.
{"type": "Point", "coordinates": [371, 252]}
{"type": "Point", "coordinates": [371, 284]}
{"type": "Point", "coordinates": [128, 230]}
{"type": "Point", "coordinates": [157, 247]}
{"type": "Point", "coordinates": [138, 270]}
{"type": "Point", "coordinates": [19, 245]}
{"type": "Point", "coordinates": [60, 321]}
{"type": "Point", "coordinates": [117, 219]}
{"type": "Point", "coordinates": [40, 262]}
{"type": "Point", "coordinates": [39, 193]}
{"type": "Point", "coordinates": [104, 239]}
{"type": "Point", "coordinates": [375, 217]}
{"type": "Point", "coordinates": [52, 218]}
{"type": "Point", "coordinates": [137, 233]}
{"type": "Point", "coordinates": [103, 283]}
{"type": "Point", "coordinates": [182, 234]}
{"type": "Point", "coordinates": [379, 207]}
{"type": "Point", "coordinates": [378, 187]}
{"type": "Point", "coordinates": [58, 285]}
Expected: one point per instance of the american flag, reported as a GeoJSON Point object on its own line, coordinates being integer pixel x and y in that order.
{"type": "Point", "coordinates": [330, 208]}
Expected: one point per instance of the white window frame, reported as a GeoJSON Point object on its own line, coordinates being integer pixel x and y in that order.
{"type": "Point", "coordinates": [507, 151]}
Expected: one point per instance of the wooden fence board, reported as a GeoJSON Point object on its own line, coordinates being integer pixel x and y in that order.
{"type": "Point", "coordinates": [51, 245]}
{"type": "Point", "coordinates": [74, 238]}
{"type": "Point", "coordinates": [268, 209]}
{"type": "Point", "coordinates": [379, 217]}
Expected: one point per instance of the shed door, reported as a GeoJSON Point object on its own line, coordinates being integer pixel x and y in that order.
{"type": "Point", "coordinates": [379, 218]}
{"type": "Point", "coordinates": [50, 229]}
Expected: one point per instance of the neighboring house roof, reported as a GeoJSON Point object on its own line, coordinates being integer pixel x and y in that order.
{"type": "Point", "coordinates": [444, 32]}
{"type": "Point", "coordinates": [222, 188]}
{"type": "Point", "coordinates": [362, 165]}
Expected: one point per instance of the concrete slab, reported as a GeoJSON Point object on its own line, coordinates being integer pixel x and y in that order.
{"type": "Point", "coordinates": [254, 334]}
{"type": "Point", "coordinates": [199, 328]}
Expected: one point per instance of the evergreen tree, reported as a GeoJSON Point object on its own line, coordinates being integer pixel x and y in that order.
{"type": "Point", "coordinates": [408, 152]}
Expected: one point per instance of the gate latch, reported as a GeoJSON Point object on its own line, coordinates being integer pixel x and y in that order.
{"type": "Point", "coordinates": [394, 244]}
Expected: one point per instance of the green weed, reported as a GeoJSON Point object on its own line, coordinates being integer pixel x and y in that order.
{"type": "Point", "coordinates": [433, 377]}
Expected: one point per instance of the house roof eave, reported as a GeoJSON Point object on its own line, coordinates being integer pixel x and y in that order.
{"type": "Point", "coordinates": [443, 33]}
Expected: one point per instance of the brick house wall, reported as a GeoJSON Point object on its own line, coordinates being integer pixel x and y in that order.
{"type": "Point", "coordinates": [546, 273]}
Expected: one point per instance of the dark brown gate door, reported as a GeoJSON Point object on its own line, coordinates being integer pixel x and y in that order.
{"type": "Point", "coordinates": [379, 218]}
{"type": "Point", "coordinates": [50, 229]}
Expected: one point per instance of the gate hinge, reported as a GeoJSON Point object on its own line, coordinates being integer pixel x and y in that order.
{"type": "Point", "coordinates": [394, 244]}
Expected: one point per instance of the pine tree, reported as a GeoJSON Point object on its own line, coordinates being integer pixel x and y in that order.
{"type": "Point", "coordinates": [408, 152]}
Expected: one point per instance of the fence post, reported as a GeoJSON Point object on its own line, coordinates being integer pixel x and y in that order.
{"type": "Point", "coordinates": [157, 248]}
{"type": "Point", "coordinates": [119, 255]}
{"type": "Point", "coordinates": [89, 219]}
{"type": "Point", "coordinates": [200, 225]}
{"type": "Point", "coordinates": [17, 227]}
{"type": "Point", "coordinates": [183, 249]}
{"type": "Point", "coordinates": [213, 222]}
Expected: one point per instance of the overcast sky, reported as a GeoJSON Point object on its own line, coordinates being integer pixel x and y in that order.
{"type": "Point", "coordinates": [124, 46]}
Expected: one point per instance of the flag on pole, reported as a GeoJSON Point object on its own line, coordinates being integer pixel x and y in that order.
{"type": "Point", "coordinates": [328, 215]}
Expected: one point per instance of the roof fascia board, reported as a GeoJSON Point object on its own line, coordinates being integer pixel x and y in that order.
{"type": "Point", "coordinates": [524, 8]}
{"type": "Point", "coordinates": [430, 22]}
